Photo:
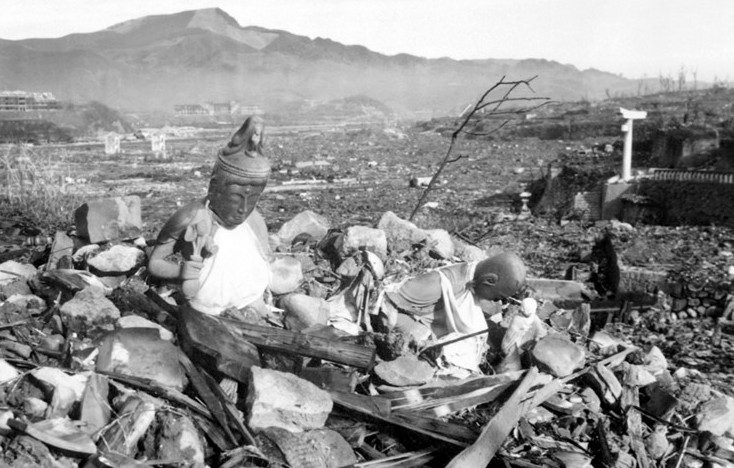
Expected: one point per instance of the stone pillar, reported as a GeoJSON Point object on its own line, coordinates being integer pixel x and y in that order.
{"type": "Point", "coordinates": [112, 143]}
{"type": "Point", "coordinates": [158, 145]}
{"type": "Point", "coordinates": [627, 128]}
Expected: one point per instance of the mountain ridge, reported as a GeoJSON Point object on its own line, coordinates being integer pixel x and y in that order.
{"type": "Point", "coordinates": [155, 62]}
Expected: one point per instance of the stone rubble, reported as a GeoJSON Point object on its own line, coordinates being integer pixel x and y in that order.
{"type": "Point", "coordinates": [99, 370]}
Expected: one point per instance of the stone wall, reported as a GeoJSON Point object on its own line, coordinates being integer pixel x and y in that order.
{"type": "Point", "coordinates": [691, 202]}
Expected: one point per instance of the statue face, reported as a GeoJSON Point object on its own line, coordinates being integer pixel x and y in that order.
{"type": "Point", "coordinates": [233, 203]}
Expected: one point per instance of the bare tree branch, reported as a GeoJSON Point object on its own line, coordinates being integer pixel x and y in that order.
{"type": "Point", "coordinates": [481, 107]}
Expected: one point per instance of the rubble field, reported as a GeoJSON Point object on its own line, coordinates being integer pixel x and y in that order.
{"type": "Point", "coordinates": [630, 363]}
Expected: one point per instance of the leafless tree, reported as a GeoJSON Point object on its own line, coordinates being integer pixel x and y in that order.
{"type": "Point", "coordinates": [490, 104]}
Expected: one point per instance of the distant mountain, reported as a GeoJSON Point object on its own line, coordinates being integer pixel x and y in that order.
{"type": "Point", "coordinates": [155, 62]}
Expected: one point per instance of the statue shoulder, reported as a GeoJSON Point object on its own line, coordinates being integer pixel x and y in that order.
{"type": "Point", "coordinates": [258, 226]}
{"type": "Point", "coordinates": [181, 219]}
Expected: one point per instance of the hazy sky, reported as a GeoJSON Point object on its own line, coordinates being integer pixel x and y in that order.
{"type": "Point", "coordinates": [630, 37]}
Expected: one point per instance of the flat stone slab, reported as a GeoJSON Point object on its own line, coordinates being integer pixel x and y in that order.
{"type": "Point", "coordinates": [558, 356]}
{"type": "Point", "coordinates": [404, 371]}
{"type": "Point", "coordinates": [316, 448]}
{"type": "Point", "coordinates": [136, 321]}
{"type": "Point", "coordinates": [140, 352]}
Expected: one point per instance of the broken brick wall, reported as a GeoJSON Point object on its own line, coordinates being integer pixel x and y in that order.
{"type": "Point", "coordinates": [691, 202]}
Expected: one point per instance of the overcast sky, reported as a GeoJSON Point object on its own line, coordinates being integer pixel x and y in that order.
{"type": "Point", "coordinates": [634, 38]}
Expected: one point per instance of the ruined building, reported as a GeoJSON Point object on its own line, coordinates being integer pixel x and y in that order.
{"type": "Point", "coordinates": [22, 101]}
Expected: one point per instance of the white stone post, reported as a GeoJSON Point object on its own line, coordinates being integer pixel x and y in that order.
{"type": "Point", "coordinates": [627, 127]}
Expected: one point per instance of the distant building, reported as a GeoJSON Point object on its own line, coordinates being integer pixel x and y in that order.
{"type": "Point", "coordinates": [217, 108]}
{"type": "Point", "coordinates": [22, 101]}
{"type": "Point", "coordinates": [190, 109]}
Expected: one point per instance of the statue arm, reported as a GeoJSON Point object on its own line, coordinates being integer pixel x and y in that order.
{"type": "Point", "coordinates": [159, 264]}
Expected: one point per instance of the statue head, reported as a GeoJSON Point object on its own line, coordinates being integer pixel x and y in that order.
{"type": "Point", "coordinates": [249, 137]}
{"type": "Point", "coordinates": [237, 181]}
{"type": "Point", "coordinates": [499, 277]}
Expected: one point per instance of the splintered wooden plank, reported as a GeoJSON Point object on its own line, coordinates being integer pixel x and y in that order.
{"type": "Point", "coordinates": [496, 431]}
{"type": "Point", "coordinates": [374, 408]}
{"type": "Point", "coordinates": [210, 342]}
{"type": "Point", "coordinates": [631, 398]}
{"type": "Point", "coordinates": [444, 406]}
{"type": "Point", "coordinates": [405, 399]}
{"type": "Point", "coordinates": [277, 339]}
{"type": "Point", "coordinates": [233, 341]}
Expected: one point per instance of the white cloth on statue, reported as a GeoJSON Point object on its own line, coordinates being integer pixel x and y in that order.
{"type": "Point", "coordinates": [236, 275]}
{"type": "Point", "coordinates": [463, 316]}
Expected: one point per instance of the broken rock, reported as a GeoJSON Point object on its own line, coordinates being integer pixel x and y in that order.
{"type": "Point", "coordinates": [109, 219]}
{"type": "Point", "coordinates": [34, 407]}
{"type": "Point", "coordinates": [280, 399]}
{"type": "Point", "coordinates": [136, 321]}
{"type": "Point", "coordinates": [316, 448]}
{"type": "Point", "coordinates": [179, 440]}
{"type": "Point", "coordinates": [441, 243]}
{"type": "Point", "coordinates": [95, 408]}
{"type": "Point", "coordinates": [717, 416]}
{"type": "Point", "coordinates": [11, 271]}
{"type": "Point", "coordinates": [558, 355]}
{"type": "Point", "coordinates": [399, 230]}
{"type": "Point", "coordinates": [357, 238]}
{"type": "Point", "coordinates": [56, 379]}
{"type": "Point", "coordinates": [287, 275]}
{"type": "Point", "coordinates": [7, 372]}
{"type": "Point", "coordinates": [89, 310]}
{"type": "Point", "coordinates": [404, 371]}
{"type": "Point", "coordinates": [118, 260]}
{"type": "Point", "coordinates": [140, 352]}
{"type": "Point", "coordinates": [305, 222]}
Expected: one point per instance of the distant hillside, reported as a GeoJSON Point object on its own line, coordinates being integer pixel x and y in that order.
{"type": "Point", "coordinates": [155, 62]}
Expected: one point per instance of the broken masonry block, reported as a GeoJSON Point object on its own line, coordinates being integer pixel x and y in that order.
{"type": "Point", "coordinates": [178, 439]}
{"type": "Point", "coordinates": [89, 310]}
{"type": "Point", "coordinates": [140, 352]}
{"type": "Point", "coordinates": [61, 250]}
{"type": "Point", "coordinates": [11, 271]}
{"type": "Point", "coordinates": [404, 371]}
{"type": "Point", "coordinates": [440, 243]}
{"type": "Point", "coordinates": [287, 275]}
{"type": "Point", "coordinates": [316, 448]}
{"type": "Point", "coordinates": [399, 231]}
{"type": "Point", "coordinates": [136, 321]}
{"type": "Point", "coordinates": [108, 219]}
{"type": "Point", "coordinates": [717, 416]}
{"type": "Point", "coordinates": [117, 260]}
{"type": "Point", "coordinates": [280, 399]}
{"type": "Point", "coordinates": [305, 222]}
{"type": "Point", "coordinates": [558, 356]}
{"type": "Point", "coordinates": [94, 409]}
{"type": "Point", "coordinates": [356, 238]}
